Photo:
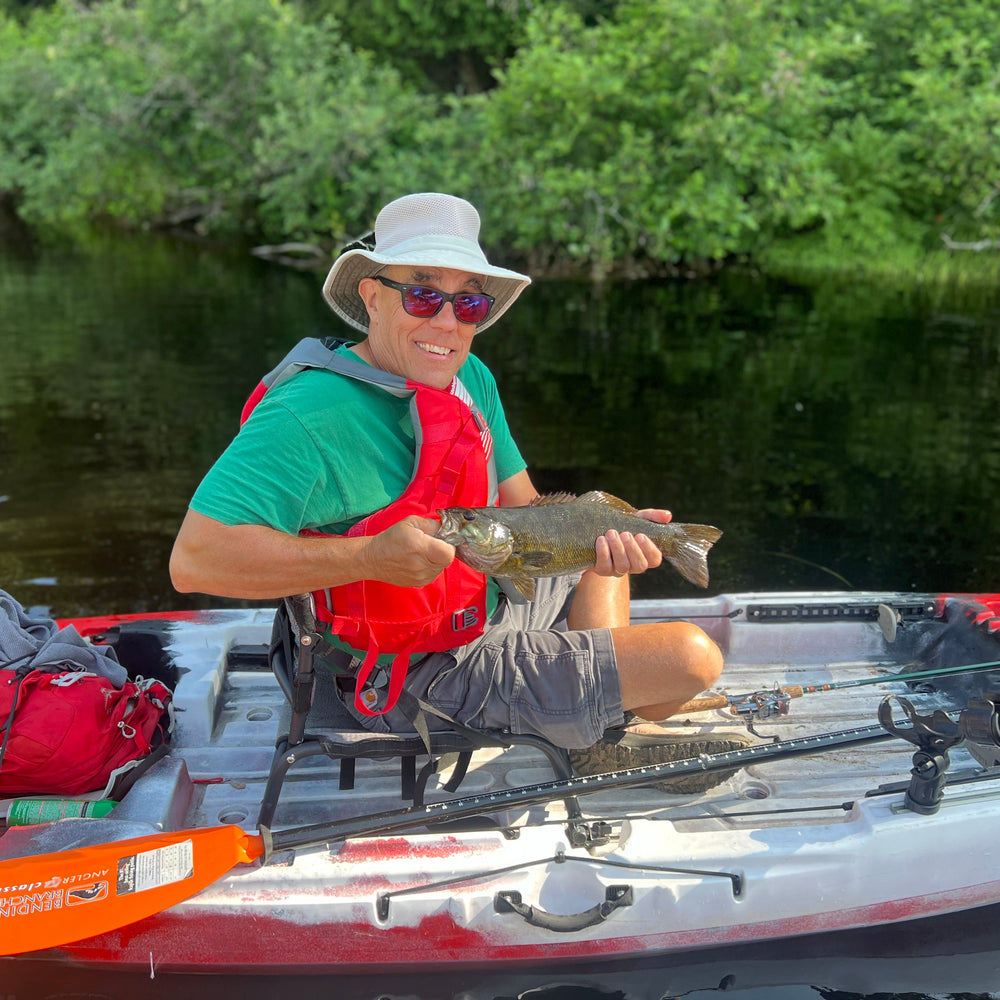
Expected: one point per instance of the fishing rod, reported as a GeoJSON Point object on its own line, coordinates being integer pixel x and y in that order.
{"type": "Point", "coordinates": [766, 704]}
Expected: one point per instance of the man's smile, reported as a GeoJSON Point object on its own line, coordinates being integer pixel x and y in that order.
{"type": "Point", "coordinates": [434, 348]}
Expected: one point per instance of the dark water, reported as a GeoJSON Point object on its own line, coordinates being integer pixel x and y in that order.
{"type": "Point", "coordinates": [843, 437]}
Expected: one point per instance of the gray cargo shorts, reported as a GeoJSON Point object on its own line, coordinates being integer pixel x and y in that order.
{"type": "Point", "coordinates": [527, 673]}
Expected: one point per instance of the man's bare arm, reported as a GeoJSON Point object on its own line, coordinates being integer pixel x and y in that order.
{"type": "Point", "coordinates": [517, 490]}
{"type": "Point", "coordinates": [260, 563]}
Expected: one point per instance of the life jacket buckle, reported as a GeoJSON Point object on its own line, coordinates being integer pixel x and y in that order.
{"type": "Point", "coordinates": [465, 618]}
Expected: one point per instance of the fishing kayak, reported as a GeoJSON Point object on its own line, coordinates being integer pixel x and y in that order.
{"type": "Point", "coordinates": [869, 797]}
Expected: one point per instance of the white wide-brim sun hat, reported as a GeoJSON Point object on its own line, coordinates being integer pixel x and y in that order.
{"type": "Point", "coordinates": [420, 230]}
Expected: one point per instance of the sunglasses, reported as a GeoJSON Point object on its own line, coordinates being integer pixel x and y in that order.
{"type": "Point", "coordinates": [423, 301]}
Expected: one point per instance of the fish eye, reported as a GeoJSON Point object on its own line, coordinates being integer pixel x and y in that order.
{"type": "Point", "coordinates": [469, 515]}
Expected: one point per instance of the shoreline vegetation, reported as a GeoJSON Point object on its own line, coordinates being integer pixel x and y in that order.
{"type": "Point", "coordinates": [599, 138]}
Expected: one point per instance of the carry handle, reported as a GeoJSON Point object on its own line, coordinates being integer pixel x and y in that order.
{"type": "Point", "coordinates": [615, 897]}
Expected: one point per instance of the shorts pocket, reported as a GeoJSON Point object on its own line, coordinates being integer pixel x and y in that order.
{"type": "Point", "coordinates": [464, 691]}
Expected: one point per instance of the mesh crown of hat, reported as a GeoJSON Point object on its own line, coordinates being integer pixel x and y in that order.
{"type": "Point", "coordinates": [433, 215]}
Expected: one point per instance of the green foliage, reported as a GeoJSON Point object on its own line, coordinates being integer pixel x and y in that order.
{"type": "Point", "coordinates": [920, 91]}
{"type": "Point", "coordinates": [637, 136]}
{"type": "Point", "coordinates": [674, 132]}
{"type": "Point", "coordinates": [199, 112]}
{"type": "Point", "coordinates": [681, 131]}
{"type": "Point", "coordinates": [21, 8]}
{"type": "Point", "coordinates": [448, 45]}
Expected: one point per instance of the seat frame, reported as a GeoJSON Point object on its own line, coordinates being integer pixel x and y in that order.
{"type": "Point", "coordinates": [295, 641]}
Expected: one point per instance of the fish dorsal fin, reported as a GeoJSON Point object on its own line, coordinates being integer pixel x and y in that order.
{"type": "Point", "coordinates": [599, 496]}
{"type": "Point", "coordinates": [549, 499]}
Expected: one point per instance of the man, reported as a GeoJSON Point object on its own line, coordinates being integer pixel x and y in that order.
{"type": "Point", "coordinates": [286, 510]}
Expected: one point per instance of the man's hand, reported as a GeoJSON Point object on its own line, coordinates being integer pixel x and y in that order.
{"type": "Point", "coordinates": [622, 553]}
{"type": "Point", "coordinates": [407, 554]}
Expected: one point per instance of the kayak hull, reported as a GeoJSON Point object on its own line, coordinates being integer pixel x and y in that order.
{"type": "Point", "coordinates": [780, 850]}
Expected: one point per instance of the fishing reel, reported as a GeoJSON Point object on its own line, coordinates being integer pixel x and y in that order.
{"type": "Point", "coordinates": [978, 726]}
{"type": "Point", "coordinates": [760, 705]}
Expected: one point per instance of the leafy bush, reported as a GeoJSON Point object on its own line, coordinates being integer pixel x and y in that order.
{"type": "Point", "coordinates": [225, 116]}
{"type": "Point", "coordinates": [595, 136]}
{"type": "Point", "coordinates": [679, 131]}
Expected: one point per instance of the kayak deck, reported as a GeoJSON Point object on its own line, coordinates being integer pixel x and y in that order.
{"type": "Point", "coordinates": [229, 763]}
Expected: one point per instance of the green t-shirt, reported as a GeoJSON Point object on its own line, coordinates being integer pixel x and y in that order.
{"type": "Point", "coordinates": [323, 451]}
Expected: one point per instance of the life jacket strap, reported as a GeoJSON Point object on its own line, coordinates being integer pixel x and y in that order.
{"type": "Point", "coordinates": [365, 697]}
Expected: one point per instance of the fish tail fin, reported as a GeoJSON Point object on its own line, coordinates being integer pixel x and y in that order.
{"type": "Point", "coordinates": [689, 551]}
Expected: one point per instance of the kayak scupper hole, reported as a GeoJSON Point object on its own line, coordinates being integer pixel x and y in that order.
{"type": "Point", "coordinates": [259, 714]}
{"type": "Point", "coordinates": [234, 815]}
{"type": "Point", "coordinates": [755, 790]}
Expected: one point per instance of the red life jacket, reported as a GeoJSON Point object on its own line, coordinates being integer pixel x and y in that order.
{"type": "Point", "coordinates": [454, 468]}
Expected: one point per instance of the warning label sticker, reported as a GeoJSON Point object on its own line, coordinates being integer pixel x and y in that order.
{"type": "Point", "coordinates": [151, 869]}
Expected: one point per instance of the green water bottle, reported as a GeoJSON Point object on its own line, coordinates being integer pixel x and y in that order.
{"type": "Point", "coordinates": [24, 812]}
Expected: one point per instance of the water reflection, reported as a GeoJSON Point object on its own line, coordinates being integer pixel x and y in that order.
{"type": "Point", "coordinates": [841, 436]}
{"type": "Point", "coordinates": [125, 367]}
{"type": "Point", "coordinates": [848, 439]}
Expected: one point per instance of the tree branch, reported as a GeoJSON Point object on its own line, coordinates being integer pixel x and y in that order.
{"type": "Point", "coordinates": [977, 246]}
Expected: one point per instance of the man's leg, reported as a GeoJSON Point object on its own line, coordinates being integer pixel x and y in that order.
{"type": "Point", "coordinates": [660, 665]}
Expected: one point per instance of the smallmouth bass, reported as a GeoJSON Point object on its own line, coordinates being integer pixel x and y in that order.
{"type": "Point", "coordinates": [555, 535]}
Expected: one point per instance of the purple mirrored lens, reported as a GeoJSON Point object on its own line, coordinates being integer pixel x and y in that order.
{"type": "Point", "coordinates": [421, 301]}
{"type": "Point", "coordinates": [472, 308]}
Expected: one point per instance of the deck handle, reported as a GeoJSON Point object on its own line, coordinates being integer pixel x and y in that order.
{"type": "Point", "coordinates": [615, 897]}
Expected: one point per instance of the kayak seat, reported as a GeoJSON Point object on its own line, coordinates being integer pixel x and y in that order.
{"type": "Point", "coordinates": [314, 696]}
